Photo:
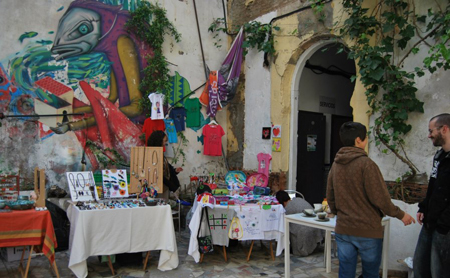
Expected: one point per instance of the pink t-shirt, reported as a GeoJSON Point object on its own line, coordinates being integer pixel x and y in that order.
{"type": "Point", "coordinates": [264, 163]}
{"type": "Point", "coordinates": [213, 140]}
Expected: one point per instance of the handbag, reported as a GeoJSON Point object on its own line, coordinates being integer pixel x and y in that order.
{"type": "Point", "coordinates": [205, 244]}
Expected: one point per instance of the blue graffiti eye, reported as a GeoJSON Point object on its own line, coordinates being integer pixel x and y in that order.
{"type": "Point", "coordinates": [83, 29]}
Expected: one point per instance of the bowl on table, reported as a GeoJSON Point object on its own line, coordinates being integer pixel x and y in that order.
{"type": "Point", "coordinates": [2, 203]}
{"type": "Point", "coordinates": [20, 205]}
{"type": "Point", "coordinates": [23, 198]}
{"type": "Point", "coordinates": [309, 212]}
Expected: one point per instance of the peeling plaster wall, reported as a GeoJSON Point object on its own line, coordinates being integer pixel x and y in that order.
{"type": "Point", "coordinates": [22, 148]}
{"type": "Point", "coordinates": [257, 105]}
{"type": "Point", "coordinates": [299, 32]}
{"type": "Point", "coordinates": [433, 91]}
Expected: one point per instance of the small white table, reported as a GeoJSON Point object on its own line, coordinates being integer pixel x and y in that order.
{"type": "Point", "coordinates": [329, 227]}
{"type": "Point", "coordinates": [114, 231]}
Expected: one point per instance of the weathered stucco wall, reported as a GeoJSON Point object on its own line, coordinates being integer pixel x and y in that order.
{"type": "Point", "coordinates": [298, 32]}
{"type": "Point", "coordinates": [27, 143]}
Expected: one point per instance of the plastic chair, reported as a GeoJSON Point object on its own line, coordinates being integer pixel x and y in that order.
{"type": "Point", "coordinates": [176, 215]}
{"type": "Point", "coordinates": [292, 193]}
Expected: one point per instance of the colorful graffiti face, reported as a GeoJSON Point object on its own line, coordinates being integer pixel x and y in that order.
{"type": "Point", "coordinates": [78, 33]}
{"type": "Point", "coordinates": [7, 89]}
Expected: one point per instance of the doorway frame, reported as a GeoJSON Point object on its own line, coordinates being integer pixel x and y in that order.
{"type": "Point", "coordinates": [298, 71]}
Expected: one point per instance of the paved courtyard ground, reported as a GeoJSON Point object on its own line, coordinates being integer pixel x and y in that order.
{"type": "Point", "coordinates": [213, 265]}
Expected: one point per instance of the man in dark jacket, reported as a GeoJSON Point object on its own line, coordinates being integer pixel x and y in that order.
{"type": "Point", "coordinates": [357, 194]}
{"type": "Point", "coordinates": [432, 255]}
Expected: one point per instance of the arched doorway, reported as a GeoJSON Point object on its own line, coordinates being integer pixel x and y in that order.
{"type": "Point", "coordinates": [320, 99]}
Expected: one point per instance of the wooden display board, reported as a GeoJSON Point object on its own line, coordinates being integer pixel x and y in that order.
{"type": "Point", "coordinates": [39, 187]}
{"type": "Point", "coordinates": [146, 165]}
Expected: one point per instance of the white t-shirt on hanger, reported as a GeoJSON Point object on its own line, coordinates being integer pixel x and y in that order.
{"type": "Point", "coordinates": [157, 101]}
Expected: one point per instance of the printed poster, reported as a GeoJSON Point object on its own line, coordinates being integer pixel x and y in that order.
{"type": "Point", "coordinates": [276, 145]}
{"type": "Point", "coordinates": [115, 183]}
{"type": "Point", "coordinates": [311, 143]}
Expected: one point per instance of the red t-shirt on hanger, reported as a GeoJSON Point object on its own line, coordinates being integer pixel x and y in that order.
{"type": "Point", "coordinates": [152, 125]}
{"type": "Point", "coordinates": [212, 140]}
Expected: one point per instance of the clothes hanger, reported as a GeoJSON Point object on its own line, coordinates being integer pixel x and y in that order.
{"type": "Point", "coordinates": [213, 122]}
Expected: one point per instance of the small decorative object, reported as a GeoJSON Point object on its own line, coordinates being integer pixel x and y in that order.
{"type": "Point", "coordinates": [276, 144]}
{"type": "Point", "coordinates": [235, 231]}
{"type": "Point", "coordinates": [276, 131]}
{"type": "Point", "coordinates": [257, 179]}
{"type": "Point", "coordinates": [266, 133]}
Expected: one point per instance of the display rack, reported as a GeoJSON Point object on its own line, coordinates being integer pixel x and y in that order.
{"type": "Point", "coordinates": [146, 167]}
{"type": "Point", "coordinates": [9, 187]}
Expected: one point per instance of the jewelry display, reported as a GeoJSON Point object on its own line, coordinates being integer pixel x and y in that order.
{"type": "Point", "coordinates": [118, 204]}
{"type": "Point", "coordinates": [141, 165]}
{"type": "Point", "coordinates": [81, 186]}
{"type": "Point", "coordinates": [145, 163]}
{"type": "Point", "coordinates": [154, 154]}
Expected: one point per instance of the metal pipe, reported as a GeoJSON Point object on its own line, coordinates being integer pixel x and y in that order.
{"type": "Point", "coordinates": [36, 115]}
{"type": "Point", "coordinates": [201, 44]}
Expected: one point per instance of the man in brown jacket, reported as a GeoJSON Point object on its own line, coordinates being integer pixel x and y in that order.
{"type": "Point", "coordinates": [357, 194]}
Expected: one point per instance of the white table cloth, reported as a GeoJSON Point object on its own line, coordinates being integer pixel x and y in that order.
{"type": "Point", "coordinates": [108, 232]}
{"type": "Point", "coordinates": [276, 234]}
{"type": "Point", "coordinates": [329, 227]}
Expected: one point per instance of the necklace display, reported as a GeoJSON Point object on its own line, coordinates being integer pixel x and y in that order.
{"type": "Point", "coordinates": [134, 154]}
{"type": "Point", "coordinates": [141, 164]}
{"type": "Point", "coordinates": [154, 162]}
{"type": "Point", "coordinates": [145, 169]}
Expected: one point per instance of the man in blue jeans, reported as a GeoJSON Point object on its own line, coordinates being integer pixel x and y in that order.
{"type": "Point", "coordinates": [357, 194]}
{"type": "Point", "coordinates": [432, 255]}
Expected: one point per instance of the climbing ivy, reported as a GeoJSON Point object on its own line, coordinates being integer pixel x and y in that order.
{"type": "Point", "coordinates": [179, 152]}
{"type": "Point", "coordinates": [257, 35]}
{"type": "Point", "coordinates": [382, 39]}
{"type": "Point", "coordinates": [149, 23]}
{"type": "Point", "coordinates": [106, 157]}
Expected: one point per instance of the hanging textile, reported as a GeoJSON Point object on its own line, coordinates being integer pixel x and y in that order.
{"type": "Point", "coordinates": [221, 85]}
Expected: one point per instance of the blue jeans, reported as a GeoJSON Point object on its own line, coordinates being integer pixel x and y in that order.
{"type": "Point", "coordinates": [369, 250]}
{"type": "Point", "coordinates": [432, 255]}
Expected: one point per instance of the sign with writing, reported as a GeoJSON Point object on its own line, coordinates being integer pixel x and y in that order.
{"type": "Point", "coordinates": [327, 105]}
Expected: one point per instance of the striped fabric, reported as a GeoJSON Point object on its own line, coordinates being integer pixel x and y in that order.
{"type": "Point", "coordinates": [28, 227]}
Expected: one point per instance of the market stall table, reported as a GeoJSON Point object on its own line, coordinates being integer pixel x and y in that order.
{"type": "Point", "coordinates": [121, 230]}
{"type": "Point", "coordinates": [253, 230]}
{"type": "Point", "coordinates": [29, 228]}
{"type": "Point", "coordinates": [329, 227]}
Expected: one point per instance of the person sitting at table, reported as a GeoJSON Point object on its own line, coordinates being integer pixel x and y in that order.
{"type": "Point", "coordinates": [304, 240]}
{"type": "Point", "coordinates": [170, 180]}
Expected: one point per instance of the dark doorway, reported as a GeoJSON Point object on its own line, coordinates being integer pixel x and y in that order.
{"type": "Point", "coordinates": [336, 123]}
{"type": "Point", "coordinates": [311, 155]}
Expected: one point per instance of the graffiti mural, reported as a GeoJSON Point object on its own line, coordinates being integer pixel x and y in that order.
{"type": "Point", "coordinates": [91, 68]}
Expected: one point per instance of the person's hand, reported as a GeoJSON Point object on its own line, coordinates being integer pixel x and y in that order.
{"type": "Point", "coordinates": [408, 219]}
{"type": "Point", "coordinates": [61, 128]}
{"type": "Point", "coordinates": [179, 169]}
{"type": "Point", "coordinates": [419, 218]}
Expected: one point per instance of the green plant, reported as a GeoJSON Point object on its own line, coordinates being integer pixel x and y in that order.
{"type": "Point", "coordinates": [149, 23]}
{"type": "Point", "coordinates": [257, 35]}
{"type": "Point", "coordinates": [106, 157]}
{"type": "Point", "coordinates": [318, 6]}
{"type": "Point", "coordinates": [382, 39]}
{"type": "Point", "coordinates": [217, 25]}
{"type": "Point", "coordinates": [179, 152]}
